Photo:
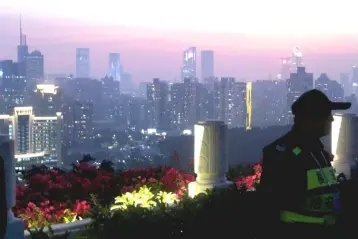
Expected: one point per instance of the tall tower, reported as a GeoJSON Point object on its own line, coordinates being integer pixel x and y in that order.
{"type": "Point", "coordinates": [285, 68]}
{"type": "Point", "coordinates": [22, 49]}
{"type": "Point", "coordinates": [115, 66]}
{"type": "Point", "coordinates": [207, 65]}
{"type": "Point", "coordinates": [296, 59]}
{"type": "Point", "coordinates": [297, 84]}
{"type": "Point", "coordinates": [82, 63]}
{"type": "Point", "coordinates": [189, 64]}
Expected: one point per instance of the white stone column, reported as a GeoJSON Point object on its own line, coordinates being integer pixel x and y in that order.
{"type": "Point", "coordinates": [210, 157]}
{"type": "Point", "coordinates": [344, 140]}
{"type": "Point", "coordinates": [15, 226]}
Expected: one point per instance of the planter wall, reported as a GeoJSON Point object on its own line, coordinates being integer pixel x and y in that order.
{"type": "Point", "coordinates": [74, 228]}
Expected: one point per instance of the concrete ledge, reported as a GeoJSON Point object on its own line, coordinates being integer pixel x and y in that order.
{"type": "Point", "coordinates": [62, 228]}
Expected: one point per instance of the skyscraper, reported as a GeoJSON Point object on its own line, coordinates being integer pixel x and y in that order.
{"type": "Point", "coordinates": [346, 83]}
{"type": "Point", "coordinates": [331, 88]}
{"type": "Point", "coordinates": [158, 97]}
{"type": "Point", "coordinates": [207, 65]}
{"type": "Point", "coordinates": [354, 80]}
{"type": "Point", "coordinates": [35, 137]}
{"type": "Point", "coordinates": [46, 100]}
{"type": "Point", "coordinates": [189, 64]}
{"type": "Point", "coordinates": [115, 66]}
{"type": "Point", "coordinates": [13, 85]}
{"type": "Point", "coordinates": [296, 59]}
{"type": "Point", "coordinates": [269, 99]}
{"type": "Point", "coordinates": [232, 102]}
{"type": "Point", "coordinates": [22, 49]}
{"type": "Point", "coordinates": [82, 113]}
{"type": "Point", "coordinates": [297, 84]}
{"type": "Point", "coordinates": [285, 68]}
{"type": "Point", "coordinates": [82, 62]}
{"type": "Point", "coordinates": [34, 67]}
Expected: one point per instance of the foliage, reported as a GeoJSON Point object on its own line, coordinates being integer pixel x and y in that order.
{"type": "Point", "coordinates": [53, 196]}
{"type": "Point", "coordinates": [200, 217]}
{"type": "Point", "coordinates": [45, 215]}
{"type": "Point", "coordinates": [143, 197]}
{"type": "Point", "coordinates": [114, 199]}
{"type": "Point", "coordinates": [251, 181]}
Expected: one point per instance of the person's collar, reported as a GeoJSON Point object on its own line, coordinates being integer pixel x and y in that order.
{"type": "Point", "coordinates": [306, 140]}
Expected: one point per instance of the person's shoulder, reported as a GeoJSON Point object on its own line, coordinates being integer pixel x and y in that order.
{"type": "Point", "coordinates": [280, 145]}
{"type": "Point", "coordinates": [280, 150]}
{"type": "Point", "coordinates": [328, 155]}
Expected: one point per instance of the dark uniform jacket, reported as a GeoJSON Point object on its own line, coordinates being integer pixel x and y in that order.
{"type": "Point", "coordinates": [285, 162]}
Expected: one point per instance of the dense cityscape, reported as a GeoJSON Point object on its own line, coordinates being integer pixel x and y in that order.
{"type": "Point", "coordinates": [134, 119]}
{"type": "Point", "coordinates": [52, 117]}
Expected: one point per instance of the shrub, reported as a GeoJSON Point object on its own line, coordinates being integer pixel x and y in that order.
{"type": "Point", "coordinates": [215, 212]}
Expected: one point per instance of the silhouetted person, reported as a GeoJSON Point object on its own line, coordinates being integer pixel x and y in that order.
{"type": "Point", "coordinates": [298, 178]}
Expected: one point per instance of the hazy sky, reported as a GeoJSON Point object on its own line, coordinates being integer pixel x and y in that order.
{"type": "Point", "coordinates": [248, 37]}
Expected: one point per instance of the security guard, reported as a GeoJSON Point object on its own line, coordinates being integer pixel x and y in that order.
{"type": "Point", "coordinates": [297, 173]}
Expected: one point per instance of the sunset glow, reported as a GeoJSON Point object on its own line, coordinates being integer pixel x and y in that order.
{"type": "Point", "coordinates": [150, 35]}
{"type": "Point", "coordinates": [230, 16]}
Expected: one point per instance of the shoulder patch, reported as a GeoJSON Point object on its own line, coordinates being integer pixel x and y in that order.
{"type": "Point", "coordinates": [280, 148]}
{"type": "Point", "coordinates": [297, 150]}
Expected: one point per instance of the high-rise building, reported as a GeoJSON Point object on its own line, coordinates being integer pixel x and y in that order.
{"type": "Point", "coordinates": [189, 64]}
{"type": "Point", "coordinates": [142, 89]}
{"type": "Point", "coordinates": [296, 60]}
{"type": "Point", "coordinates": [297, 84]}
{"type": "Point", "coordinates": [158, 97]}
{"type": "Point", "coordinates": [331, 88]}
{"type": "Point", "coordinates": [46, 100]}
{"type": "Point", "coordinates": [231, 103]}
{"type": "Point", "coordinates": [110, 98]}
{"type": "Point", "coordinates": [34, 67]}
{"type": "Point", "coordinates": [115, 66]}
{"type": "Point", "coordinates": [37, 140]}
{"type": "Point", "coordinates": [203, 102]}
{"type": "Point", "coordinates": [83, 63]}
{"type": "Point", "coordinates": [269, 99]}
{"type": "Point", "coordinates": [177, 98]}
{"type": "Point", "coordinates": [82, 122]}
{"type": "Point", "coordinates": [126, 82]}
{"type": "Point", "coordinates": [13, 85]}
{"type": "Point", "coordinates": [285, 68]}
{"type": "Point", "coordinates": [354, 80]}
{"type": "Point", "coordinates": [190, 104]}
{"type": "Point", "coordinates": [207, 65]}
{"type": "Point", "coordinates": [22, 48]}
{"type": "Point", "coordinates": [345, 83]}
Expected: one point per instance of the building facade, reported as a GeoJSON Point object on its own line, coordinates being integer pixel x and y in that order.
{"type": "Point", "coordinates": [35, 137]}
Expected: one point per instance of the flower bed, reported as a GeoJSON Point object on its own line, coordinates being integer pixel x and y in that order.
{"type": "Point", "coordinates": [50, 197]}
{"type": "Point", "coordinates": [54, 196]}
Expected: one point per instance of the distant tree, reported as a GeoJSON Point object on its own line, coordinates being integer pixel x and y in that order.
{"type": "Point", "coordinates": [87, 158]}
{"type": "Point", "coordinates": [107, 166]}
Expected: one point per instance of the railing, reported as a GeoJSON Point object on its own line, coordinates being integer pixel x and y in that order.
{"type": "Point", "coordinates": [12, 228]}
{"type": "Point", "coordinates": [211, 166]}
{"type": "Point", "coordinates": [3, 207]}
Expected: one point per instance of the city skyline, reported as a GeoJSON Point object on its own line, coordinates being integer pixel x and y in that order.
{"type": "Point", "coordinates": [237, 55]}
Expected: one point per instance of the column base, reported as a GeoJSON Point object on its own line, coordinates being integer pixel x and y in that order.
{"type": "Point", "coordinates": [195, 188]}
{"type": "Point", "coordinates": [15, 227]}
{"type": "Point", "coordinates": [342, 166]}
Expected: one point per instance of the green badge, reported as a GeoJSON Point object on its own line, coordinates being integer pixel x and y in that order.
{"type": "Point", "coordinates": [296, 151]}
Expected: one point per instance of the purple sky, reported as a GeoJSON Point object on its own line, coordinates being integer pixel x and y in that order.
{"type": "Point", "coordinates": [148, 53]}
